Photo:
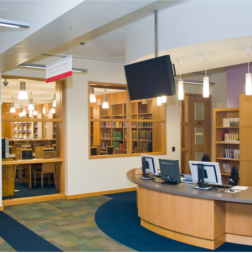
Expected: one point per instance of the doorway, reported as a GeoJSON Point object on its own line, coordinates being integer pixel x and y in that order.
{"type": "Point", "coordinates": [195, 129]}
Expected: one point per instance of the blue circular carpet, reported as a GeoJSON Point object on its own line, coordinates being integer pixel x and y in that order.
{"type": "Point", "coordinates": [118, 219]}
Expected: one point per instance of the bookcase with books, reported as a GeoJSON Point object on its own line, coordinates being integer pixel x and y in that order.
{"type": "Point", "coordinates": [226, 140]}
{"type": "Point", "coordinates": [134, 122]}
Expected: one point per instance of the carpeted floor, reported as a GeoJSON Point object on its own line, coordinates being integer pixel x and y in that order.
{"type": "Point", "coordinates": [118, 219]}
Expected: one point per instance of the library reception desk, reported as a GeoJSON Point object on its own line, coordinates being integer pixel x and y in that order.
{"type": "Point", "coordinates": [202, 218]}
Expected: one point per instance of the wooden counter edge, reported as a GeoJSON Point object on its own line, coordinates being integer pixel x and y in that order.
{"type": "Point", "coordinates": [33, 161]}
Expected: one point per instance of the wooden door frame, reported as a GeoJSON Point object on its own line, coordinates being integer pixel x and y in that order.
{"type": "Point", "coordinates": [61, 119]}
{"type": "Point", "coordinates": [186, 149]}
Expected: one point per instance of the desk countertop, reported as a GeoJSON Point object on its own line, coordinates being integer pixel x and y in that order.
{"type": "Point", "coordinates": [188, 190]}
{"type": "Point", "coordinates": [32, 161]}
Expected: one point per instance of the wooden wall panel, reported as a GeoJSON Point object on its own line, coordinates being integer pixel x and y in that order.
{"type": "Point", "coordinates": [245, 143]}
{"type": "Point", "coordinates": [245, 173]}
{"type": "Point", "coordinates": [245, 110]}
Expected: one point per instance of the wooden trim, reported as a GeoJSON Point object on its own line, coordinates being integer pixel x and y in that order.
{"type": "Point", "coordinates": [1, 208]}
{"type": "Point", "coordinates": [93, 84]}
{"type": "Point", "coordinates": [30, 120]}
{"type": "Point", "coordinates": [33, 161]}
{"type": "Point", "coordinates": [240, 239]}
{"type": "Point", "coordinates": [227, 110]}
{"type": "Point", "coordinates": [128, 120]}
{"type": "Point", "coordinates": [204, 243]}
{"type": "Point", "coordinates": [11, 202]}
{"type": "Point", "coordinates": [23, 77]}
{"type": "Point", "coordinates": [125, 155]}
{"type": "Point", "coordinates": [92, 194]}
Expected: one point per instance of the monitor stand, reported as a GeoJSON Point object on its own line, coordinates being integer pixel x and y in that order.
{"type": "Point", "coordinates": [145, 165]}
{"type": "Point", "coordinates": [201, 179]}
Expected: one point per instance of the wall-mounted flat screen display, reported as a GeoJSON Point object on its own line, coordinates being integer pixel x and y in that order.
{"type": "Point", "coordinates": [150, 78]}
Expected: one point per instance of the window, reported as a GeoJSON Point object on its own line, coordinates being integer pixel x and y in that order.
{"type": "Point", "coordinates": [120, 127]}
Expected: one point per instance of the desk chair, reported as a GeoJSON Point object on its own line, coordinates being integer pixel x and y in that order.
{"type": "Point", "coordinates": [98, 148]}
{"type": "Point", "coordinates": [93, 151]}
{"type": "Point", "coordinates": [24, 171]}
{"type": "Point", "coordinates": [110, 149]}
{"type": "Point", "coordinates": [48, 149]}
{"type": "Point", "coordinates": [47, 168]}
{"type": "Point", "coordinates": [26, 147]}
{"type": "Point", "coordinates": [205, 158]}
{"type": "Point", "coordinates": [118, 151]}
{"type": "Point", "coordinates": [139, 150]}
{"type": "Point", "coordinates": [39, 152]}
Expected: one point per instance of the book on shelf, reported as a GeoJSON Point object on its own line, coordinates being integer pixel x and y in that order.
{"type": "Point", "coordinates": [117, 144]}
{"type": "Point", "coordinates": [134, 135]}
{"type": "Point", "coordinates": [144, 124]}
{"type": "Point", "coordinates": [145, 135]}
{"type": "Point", "coordinates": [106, 135]}
{"type": "Point", "coordinates": [117, 135]}
{"type": "Point", "coordinates": [117, 124]}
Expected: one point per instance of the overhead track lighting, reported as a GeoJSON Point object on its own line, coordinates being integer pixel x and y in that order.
{"type": "Point", "coordinates": [41, 66]}
{"type": "Point", "coordinates": [206, 80]}
{"type": "Point", "coordinates": [22, 93]}
{"type": "Point", "coordinates": [180, 84]}
{"type": "Point", "coordinates": [92, 96]}
{"type": "Point", "coordinates": [13, 24]}
{"type": "Point", "coordinates": [12, 109]}
{"type": "Point", "coordinates": [248, 87]}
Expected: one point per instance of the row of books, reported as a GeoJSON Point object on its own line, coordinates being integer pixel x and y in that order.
{"type": "Point", "coordinates": [145, 136]}
{"type": "Point", "coordinates": [114, 124]}
{"type": "Point", "coordinates": [147, 146]}
{"type": "Point", "coordinates": [117, 144]}
{"type": "Point", "coordinates": [104, 144]}
{"type": "Point", "coordinates": [117, 135]}
{"type": "Point", "coordinates": [106, 136]}
{"type": "Point", "coordinates": [141, 124]}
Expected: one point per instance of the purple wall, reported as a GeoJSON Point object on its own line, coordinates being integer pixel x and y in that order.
{"type": "Point", "coordinates": [236, 83]}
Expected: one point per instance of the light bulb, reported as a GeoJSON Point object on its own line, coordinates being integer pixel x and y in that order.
{"type": "Point", "coordinates": [206, 87]}
{"type": "Point", "coordinates": [12, 110]}
{"type": "Point", "coordinates": [52, 110]}
{"type": "Point", "coordinates": [34, 113]}
{"type": "Point", "coordinates": [180, 90]}
{"type": "Point", "coordinates": [163, 99]}
{"type": "Point", "coordinates": [22, 93]}
{"type": "Point", "coordinates": [92, 98]}
{"type": "Point", "coordinates": [105, 104]}
{"type": "Point", "coordinates": [159, 101]}
{"type": "Point", "coordinates": [248, 88]}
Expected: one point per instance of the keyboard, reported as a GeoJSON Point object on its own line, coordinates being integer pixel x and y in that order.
{"type": "Point", "coordinates": [219, 186]}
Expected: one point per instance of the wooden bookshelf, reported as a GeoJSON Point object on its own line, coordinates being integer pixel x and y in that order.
{"type": "Point", "coordinates": [220, 144]}
{"type": "Point", "coordinates": [127, 124]}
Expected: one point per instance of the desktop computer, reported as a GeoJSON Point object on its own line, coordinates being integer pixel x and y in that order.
{"type": "Point", "coordinates": [170, 171]}
{"type": "Point", "coordinates": [149, 166]}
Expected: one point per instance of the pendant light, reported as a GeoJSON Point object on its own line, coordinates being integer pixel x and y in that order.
{"type": "Point", "coordinates": [12, 109]}
{"type": "Point", "coordinates": [206, 80]}
{"type": "Point", "coordinates": [99, 102]}
{"type": "Point", "coordinates": [163, 99]}
{"type": "Point", "coordinates": [30, 106]}
{"type": "Point", "coordinates": [105, 104]}
{"type": "Point", "coordinates": [54, 101]}
{"type": "Point", "coordinates": [180, 84]}
{"type": "Point", "coordinates": [248, 87]}
{"type": "Point", "coordinates": [21, 110]}
{"type": "Point", "coordinates": [52, 109]}
{"type": "Point", "coordinates": [92, 96]}
{"type": "Point", "coordinates": [22, 93]}
{"type": "Point", "coordinates": [159, 101]}
{"type": "Point", "coordinates": [35, 113]}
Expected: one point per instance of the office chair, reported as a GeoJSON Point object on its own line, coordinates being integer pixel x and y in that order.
{"type": "Point", "coordinates": [93, 151]}
{"type": "Point", "coordinates": [139, 150]}
{"type": "Point", "coordinates": [205, 158]}
{"type": "Point", "coordinates": [233, 180]}
{"type": "Point", "coordinates": [118, 151]}
{"type": "Point", "coordinates": [110, 150]}
{"type": "Point", "coordinates": [98, 148]}
{"type": "Point", "coordinates": [47, 168]}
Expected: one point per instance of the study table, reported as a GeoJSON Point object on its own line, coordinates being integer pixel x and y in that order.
{"type": "Point", "coordinates": [202, 218]}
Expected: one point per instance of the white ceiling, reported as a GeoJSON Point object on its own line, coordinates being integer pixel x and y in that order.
{"type": "Point", "coordinates": [42, 92]}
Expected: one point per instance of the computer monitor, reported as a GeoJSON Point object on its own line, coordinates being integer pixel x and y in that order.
{"type": "Point", "coordinates": [26, 154]}
{"type": "Point", "coordinates": [170, 171]}
{"type": "Point", "coordinates": [209, 173]}
{"type": "Point", "coordinates": [151, 164]}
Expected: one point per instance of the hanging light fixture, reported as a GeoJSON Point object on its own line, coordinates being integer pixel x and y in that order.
{"type": "Point", "coordinates": [22, 93]}
{"type": "Point", "coordinates": [92, 96]}
{"type": "Point", "coordinates": [145, 101]}
{"type": "Point", "coordinates": [21, 110]}
{"type": "Point", "coordinates": [30, 106]}
{"type": "Point", "coordinates": [180, 84]}
{"type": "Point", "coordinates": [248, 86]}
{"type": "Point", "coordinates": [35, 113]}
{"type": "Point", "coordinates": [159, 101]}
{"type": "Point", "coordinates": [105, 104]}
{"type": "Point", "coordinates": [99, 102]}
{"type": "Point", "coordinates": [12, 109]}
{"type": "Point", "coordinates": [52, 109]}
{"type": "Point", "coordinates": [163, 99]}
{"type": "Point", "coordinates": [44, 111]}
{"type": "Point", "coordinates": [206, 80]}
{"type": "Point", "coordinates": [54, 101]}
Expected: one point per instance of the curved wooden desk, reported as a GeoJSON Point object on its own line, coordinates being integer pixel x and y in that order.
{"type": "Point", "coordinates": [201, 218]}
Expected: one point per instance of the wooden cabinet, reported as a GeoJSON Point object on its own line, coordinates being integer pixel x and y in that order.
{"type": "Point", "coordinates": [8, 177]}
{"type": "Point", "coordinates": [227, 140]}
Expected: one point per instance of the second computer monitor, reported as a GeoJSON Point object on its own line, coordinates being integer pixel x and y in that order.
{"type": "Point", "coordinates": [152, 164]}
{"type": "Point", "coordinates": [170, 170]}
{"type": "Point", "coordinates": [212, 173]}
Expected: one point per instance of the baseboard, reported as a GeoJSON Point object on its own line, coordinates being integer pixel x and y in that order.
{"type": "Point", "coordinates": [11, 202]}
{"type": "Point", "coordinates": [92, 194]}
